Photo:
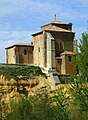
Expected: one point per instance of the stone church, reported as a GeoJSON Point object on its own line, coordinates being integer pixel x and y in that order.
{"type": "Point", "coordinates": [52, 49]}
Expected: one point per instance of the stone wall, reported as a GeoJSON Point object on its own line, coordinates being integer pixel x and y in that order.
{"type": "Point", "coordinates": [39, 50]}
{"type": "Point", "coordinates": [63, 42]}
{"type": "Point", "coordinates": [25, 55]}
{"type": "Point", "coordinates": [67, 65]}
{"type": "Point", "coordinates": [10, 56]}
{"type": "Point", "coordinates": [19, 54]}
{"type": "Point", "coordinates": [50, 51]}
{"type": "Point", "coordinates": [58, 65]}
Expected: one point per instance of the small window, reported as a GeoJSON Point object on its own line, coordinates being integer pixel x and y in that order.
{"type": "Point", "coordinates": [58, 61]}
{"type": "Point", "coordinates": [39, 49]}
{"type": "Point", "coordinates": [25, 52]}
{"type": "Point", "coordinates": [66, 28]}
{"type": "Point", "coordinates": [69, 57]}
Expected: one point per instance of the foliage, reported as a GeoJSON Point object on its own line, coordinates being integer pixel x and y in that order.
{"type": "Point", "coordinates": [41, 106]}
{"type": "Point", "coordinates": [45, 105]}
{"type": "Point", "coordinates": [61, 101]}
{"type": "Point", "coordinates": [3, 106]}
{"type": "Point", "coordinates": [0, 105]}
{"type": "Point", "coordinates": [25, 71]}
{"type": "Point", "coordinates": [79, 92]}
{"type": "Point", "coordinates": [79, 83]}
{"type": "Point", "coordinates": [21, 110]}
{"type": "Point", "coordinates": [81, 60]}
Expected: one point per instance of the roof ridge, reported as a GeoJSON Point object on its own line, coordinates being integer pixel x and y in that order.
{"type": "Point", "coordinates": [54, 22]}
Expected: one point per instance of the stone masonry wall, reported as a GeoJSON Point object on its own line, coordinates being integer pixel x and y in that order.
{"type": "Point", "coordinates": [16, 55]}
{"type": "Point", "coordinates": [66, 39]}
{"type": "Point", "coordinates": [25, 58]}
{"type": "Point", "coordinates": [39, 50]}
{"type": "Point", "coordinates": [10, 56]}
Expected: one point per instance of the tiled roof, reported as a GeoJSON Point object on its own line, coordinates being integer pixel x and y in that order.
{"type": "Point", "coordinates": [52, 27]}
{"type": "Point", "coordinates": [56, 22]}
{"type": "Point", "coordinates": [55, 28]}
{"type": "Point", "coordinates": [20, 45]}
{"type": "Point", "coordinates": [37, 33]}
{"type": "Point", "coordinates": [68, 53]}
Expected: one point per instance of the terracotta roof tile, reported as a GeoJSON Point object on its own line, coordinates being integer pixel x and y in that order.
{"type": "Point", "coordinates": [68, 53]}
{"type": "Point", "coordinates": [55, 28]}
{"type": "Point", "coordinates": [21, 45]}
{"type": "Point", "coordinates": [55, 22]}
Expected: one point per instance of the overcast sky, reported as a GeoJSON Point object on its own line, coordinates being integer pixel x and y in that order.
{"type": "Point", "coordinates": [21, 18]}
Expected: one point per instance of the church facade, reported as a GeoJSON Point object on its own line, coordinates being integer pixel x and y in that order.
{"type": "Point", "coordinates": [53, 48]}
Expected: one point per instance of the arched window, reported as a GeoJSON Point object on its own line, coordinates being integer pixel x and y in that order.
{"type": "Point", "coordinates": [25, 52]}
{"type": "Point", "coordinates": [69, 57]}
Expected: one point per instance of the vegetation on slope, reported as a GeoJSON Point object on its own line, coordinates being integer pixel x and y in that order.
{"type": "Point", "coordinates": [41, 106]}
{"type": "Point", "coordinates": [20, 71]}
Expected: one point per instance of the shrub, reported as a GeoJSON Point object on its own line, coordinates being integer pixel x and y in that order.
{"type": "Point", "coordinates": [41, 106]}
{"type": "Point", "coordinates": [21, 110]}
{"type": "Point", "coordinates": [61, 101]}
{"type": "Point", "coordinates": [25, 71]}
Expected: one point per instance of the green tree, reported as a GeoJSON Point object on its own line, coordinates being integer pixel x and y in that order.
{"type": "Point", "coordinates": [81, 60]}
{"type": "Point", "coordinates": [21, 110]}
{"type": "Point", "coordinates": [79, 85]}
{"type": "Point", "coordinates": [61, 104]}
{"type": "Point", "coordinates": [41, 106]}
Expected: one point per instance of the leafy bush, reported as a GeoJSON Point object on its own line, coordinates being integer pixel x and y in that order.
{"type": "Point", "coordinates": [79, 92]}
{"type": "Point", "coordinates": [79, 83]}
{"type": "Point", "coordinates": [61, 101]}
{"type": "Point", "coordinates": [41, 106]}
{"type": "Point", "coordinates": [21, 110]}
